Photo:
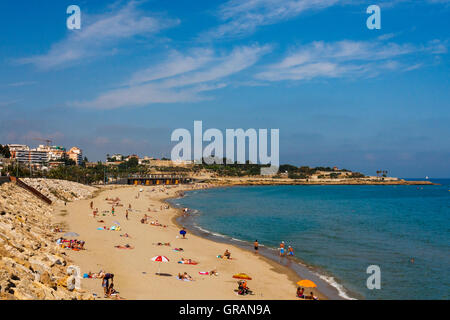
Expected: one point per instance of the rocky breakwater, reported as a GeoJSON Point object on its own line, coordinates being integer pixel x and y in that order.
{"type": "Point", "coordinates": [32, 266]}
{"type": "Point", "coordinates": [60, 191]}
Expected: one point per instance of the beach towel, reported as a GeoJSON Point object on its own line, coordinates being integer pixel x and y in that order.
{"type": "Point", "coordinates": [203, 273]}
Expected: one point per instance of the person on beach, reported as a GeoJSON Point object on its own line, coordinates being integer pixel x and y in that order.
{"type": "Point", "coordinates": [227, 254]}
{"type": "Point", "coordinates": [187, 277]}
{"type": "Point", "coordinates": [300, 293]}
{"type": "Point", "coordinates": [282, 251]}
{"type": "Point", "coordinates": [92, 205]}
{"type": "Point", "coordinates": [183, 233]}
{"type": "Point", "coordinates": [256, 245]}
{"type": "Point", "coordinates": [213, 272]}
{"type": "Point", "coordinates": [126, 214]}
{"type": "Point", "coordinates": [311, 297]}
{"type": "Point", "coordinates": [290, 251]}
{"type": "Point", "coordinates": [105, 282]}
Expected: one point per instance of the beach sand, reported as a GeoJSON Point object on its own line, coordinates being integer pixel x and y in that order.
{"type": "Point", "coordinates": [135, 273]}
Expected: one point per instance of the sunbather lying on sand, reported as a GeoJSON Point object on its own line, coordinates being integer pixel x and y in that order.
{"type": "Point", "coordinates": [157, 224]}
{"type": "Point", "coordinates": [187, 261]}
{"type": "Point", "coordinates": [213, 272]}
{"type": "Point", "coordinates": [127, 246]}
{"type": "Point", "coordinates": [178, 249]}
{"type": "Point", "coordinates": [162, 244]}
{"type": "Point", "coordinates": [91, 275]}
{"type": "Point", "coordinates": [126, 235]}
{"type": "Point", "coordinates": [71, 244]}
{"type": "Point", "coordinates": [185, 277]}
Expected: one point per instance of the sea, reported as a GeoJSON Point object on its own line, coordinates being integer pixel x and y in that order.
{"type": "Point", "coordinates": [338, 232]}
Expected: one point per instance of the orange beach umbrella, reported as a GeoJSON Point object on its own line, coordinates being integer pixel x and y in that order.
{"type": "Point", "coordinates": [306, 283]}
{"type": "Point", "coordinates": [242, 276]}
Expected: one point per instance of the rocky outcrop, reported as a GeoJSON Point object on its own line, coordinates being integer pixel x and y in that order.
{"type": "Point", "coordinates": [31, 265]}
{"type": "Point", "coordinates": [60, 191]}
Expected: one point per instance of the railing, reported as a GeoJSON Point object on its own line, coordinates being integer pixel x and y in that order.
{"type": "Point", "coordinates": [23, 185]}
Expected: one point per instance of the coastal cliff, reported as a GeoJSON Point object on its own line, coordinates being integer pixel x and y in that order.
{"type": "Point", "coordinates": [32, 266]}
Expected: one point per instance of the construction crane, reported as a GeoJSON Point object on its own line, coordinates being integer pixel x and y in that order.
{"type": "Point", "coordinates": [47, 141]}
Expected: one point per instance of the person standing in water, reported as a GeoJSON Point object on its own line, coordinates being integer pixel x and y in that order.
{"type": "Point", "coordinates": [256, 244]}
{"type": "Point", "coordinates": [290, 251]}
{"type": "Point", "coordinates": [281, 248]}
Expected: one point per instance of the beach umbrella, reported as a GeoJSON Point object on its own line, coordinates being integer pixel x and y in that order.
{"type": "Point", "coordinates": [306, 283]}
{"type": "Point", "coordinates": [243, 276]}
{"type": "Point", "coordinates": [160, 259]}
{"type": "Point", "coordinates": [71, 235]}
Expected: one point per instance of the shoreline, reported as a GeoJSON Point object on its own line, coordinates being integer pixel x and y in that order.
{"type": "Point", "coordinates": [274, 281]}
{"type": "Point", "coordinates": [224, 182]}
{"type": "Point", "coordinates": [298, 269]}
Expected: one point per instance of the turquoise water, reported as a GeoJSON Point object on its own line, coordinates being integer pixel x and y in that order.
{"type": "Point", "coordinates": [341, 230]}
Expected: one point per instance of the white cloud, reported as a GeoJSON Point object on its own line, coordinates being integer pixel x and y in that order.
{"type": "Point", "coordinates": [176, 64]}
{"type": "Point", "coordinates": [98, 35]}
{"type": "Point", "coordinates": [21, 83]}
{"type": "Point", "coordinates": [200, 71]}
{"type": "Point", "coordinates": [347, 58]}
{"type": "Point", "coordinates": [241, 18]}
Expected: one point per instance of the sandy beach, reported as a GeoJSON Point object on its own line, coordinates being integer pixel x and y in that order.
{"type": "Point", "coordinates": [135, 273]}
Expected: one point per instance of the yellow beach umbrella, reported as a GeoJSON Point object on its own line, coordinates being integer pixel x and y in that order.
{"type": "Point", "coordinates": [242, 276]}
{"type": "Point", "coordinates": [306, 283]}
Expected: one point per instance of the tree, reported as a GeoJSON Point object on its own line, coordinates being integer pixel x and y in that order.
{"type": "Point", "coordinates": [4, 151]}
{"type": "Point", "coordinates": [133, 162]}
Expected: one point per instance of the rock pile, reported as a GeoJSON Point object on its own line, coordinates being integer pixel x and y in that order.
{"type": "Point", "coordinates": [32, 266]}
{"type": "Point", "coordinates": [60, 191]}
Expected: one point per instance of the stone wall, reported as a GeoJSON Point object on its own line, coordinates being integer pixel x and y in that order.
{"type": "Point", "coordinates": [60, 191]}
{"type": "Point", "coordinates": [32, 266]}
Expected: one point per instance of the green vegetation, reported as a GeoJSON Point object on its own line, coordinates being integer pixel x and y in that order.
{"type": "Point", "coordinates": [4, 151]}
{"type": "Point", "coordinates": [100, 172]}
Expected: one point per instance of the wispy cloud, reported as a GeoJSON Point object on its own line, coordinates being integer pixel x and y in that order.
{"type": "Point", "coordinates": [241, 18]}
{"type": "Point", "coordinates": [348, 58]}
{"type": "Point", "coordinates": [176, 64]}
{"type": "Point", "coordinates": [98, 35]}
{"type": "Point", "coordinates": [21, 84]}
{"type": "Point", "coordinates": [181, 78]}
{"type": "Point", "coordinates": [9, 103]}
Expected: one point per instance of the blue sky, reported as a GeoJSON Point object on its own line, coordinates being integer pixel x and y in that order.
{"type": "Point", "coordinates": [340, 94]}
